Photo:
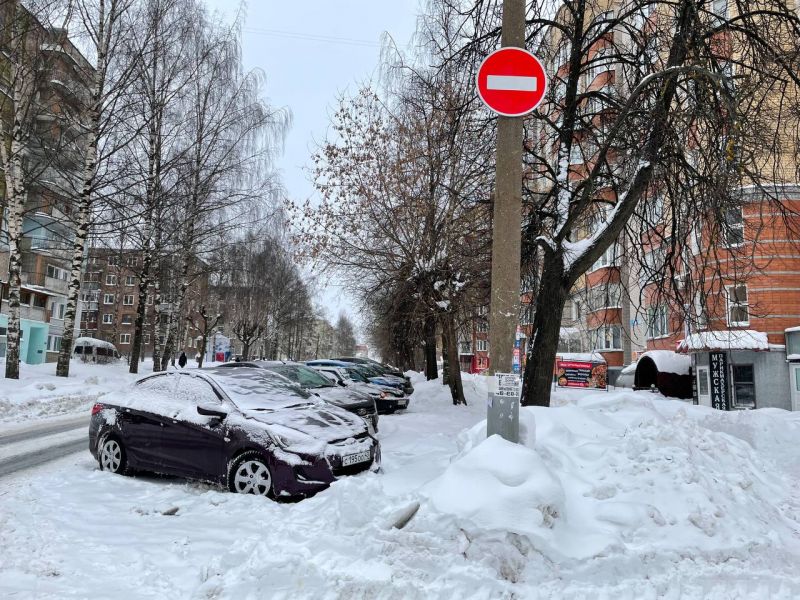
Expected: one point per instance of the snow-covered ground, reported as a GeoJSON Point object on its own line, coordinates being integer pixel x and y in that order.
{"type": "Point", "coordinates": [610, 495]}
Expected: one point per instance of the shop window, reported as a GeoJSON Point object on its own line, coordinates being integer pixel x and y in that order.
{"type": "Point", "coordinates": [744, 386]}
{"type": "Point", "coordinates": [738, 306]}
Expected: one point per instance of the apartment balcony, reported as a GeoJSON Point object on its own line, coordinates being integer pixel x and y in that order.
{"type": "Point", "coordinates": [59, 286]}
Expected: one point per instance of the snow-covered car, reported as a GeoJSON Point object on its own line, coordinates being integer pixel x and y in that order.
{"type": "Point", "coordinates": [388, 399]}
{"type": "Point", "coordinates": [90, 349]}
{"type": "Point", "coordinates": [248, 429]}
{"type": "Point", "coordinates": [355, 401]}
{"type": "Point", "coordinates": [384, 368]}
{"type": "Point", "coordinates": [373, 375]}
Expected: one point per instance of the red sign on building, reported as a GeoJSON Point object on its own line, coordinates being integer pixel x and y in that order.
{"type": "Point", "coordinates": [511, 82]}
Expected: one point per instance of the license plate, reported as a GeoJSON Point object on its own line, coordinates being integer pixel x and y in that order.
{"type": "Point", "coordinates": [358, 457]}
{"type": "Point", "coordinates": [402, 402]}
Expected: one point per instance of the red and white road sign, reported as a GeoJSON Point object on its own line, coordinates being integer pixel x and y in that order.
{"type": "Point", "coordinates": [511, 82]}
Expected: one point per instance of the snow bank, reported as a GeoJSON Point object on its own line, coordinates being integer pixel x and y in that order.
{"type": "Point", "coordinates": [610, 475]}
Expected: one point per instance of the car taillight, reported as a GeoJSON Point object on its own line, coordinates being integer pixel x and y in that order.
{"type": "Point", "coordinates": [97, 408]}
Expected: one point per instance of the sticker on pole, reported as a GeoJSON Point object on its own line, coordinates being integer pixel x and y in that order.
{"type": "Point", "coordinates": [509, 385]}
{"type": "Point", "coordinates": [511, 82]}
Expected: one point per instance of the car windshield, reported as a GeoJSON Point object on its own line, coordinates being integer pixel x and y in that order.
{"type": "Point", "coordinates": [305, 377]}
{"type": "Point", "coordinates": [258, 389]}
{"type": "Point", "coordinates": [356, 375]}
{"type": "Point", "coordinates": [369, 371]}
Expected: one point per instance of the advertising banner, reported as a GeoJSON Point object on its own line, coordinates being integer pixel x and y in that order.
{"type": "Point", "coordinates": [580, 374]}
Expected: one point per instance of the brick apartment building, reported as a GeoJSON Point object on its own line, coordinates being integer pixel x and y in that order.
{"type": "Point", "coordinates": [742, 330]}
{"type": "Point", "coordinates": [110, 301]}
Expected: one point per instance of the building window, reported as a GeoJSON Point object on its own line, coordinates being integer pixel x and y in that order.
{"type": "Point", "coordinates": [465, 347]}
{"type": "Point", "coordinates": [124, 338]}
{"type": "Point", "coordinates": [128, 300]}
{"type": "Point", "coordinates": [719, 8]}
{"type": "Point", "coordinates": [56, 272]}
{"type": "Point", "coordinates": [734, 227]}
{"type": "Point", "coordinates": [607, 337]}
{"type": "Point", "coordinates": [483, 326]}
{"type": "Point", "coordinates": [700, 310]}
{"type": "Point", "coordinates": [111, 279]}
{"type": "Point", "coordinates": [53, 343]}
{"type": "Point", "coordinates": [575, 154]}
{"type": "Point", "coordinates": [108, 318]}
{"type": "Point", "coordinates": [146, 338]}
{"type": "Point", "coordinates": [130, 280]}
{"type": "Point", "coordinates": [658, 321]}
{"type": "Point", "coordinates": [738, 306]}
{"type": "Point", "coordinates": [108, 298]}
{"type": "Point", "coordinates": [483, 310]}
{"type": "Point", "coordinates": [744, 386]}
{"type": "Point", "coordinates": [56, 311]}
{"type": "Point", "coordinates": [113, 260]}
{"type": "Point", "coordinates": [132, 261]}
{"type": "Point", "coordinates": [127, 319]}
{"type": "Point", "coordinates": [604, 296]}
{"type": "Point", "coordinates": [608, 258]}
{"type": "Point", "coordinates": [482, 345]}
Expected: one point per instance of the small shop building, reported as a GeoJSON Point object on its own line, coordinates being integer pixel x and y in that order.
{"type": "Point", "coordinates": [741, 369]}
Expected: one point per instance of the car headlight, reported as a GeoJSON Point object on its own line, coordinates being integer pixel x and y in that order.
{"type": "Point", "coordinates": [383, 394]}
{"type": "Point", "coordinates": [286, 439]}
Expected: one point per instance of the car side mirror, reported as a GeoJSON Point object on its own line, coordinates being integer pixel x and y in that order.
{"type": "Point", "coordinates": [211, 410]}
{"type": "Point", "coordinates": [342, 383]}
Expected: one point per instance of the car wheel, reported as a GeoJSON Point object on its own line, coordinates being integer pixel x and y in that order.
{"type": "Point", "coordinates": [112, 456]}
{"type": "Point", "coordinates": [248, 473]}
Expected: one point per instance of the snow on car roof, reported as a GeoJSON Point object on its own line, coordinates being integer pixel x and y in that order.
{"type": "Point", "coordinates": [90, 341]}
{"type": "Point", "coordinates": [255, 388]}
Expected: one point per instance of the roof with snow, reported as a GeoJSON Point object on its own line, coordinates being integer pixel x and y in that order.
{"type": "Point", "coordinates": [742, 339]}
{"type": "Point", "coordinates": [667, 361]}
{"type": "Point", "coordinates": [581, 356]}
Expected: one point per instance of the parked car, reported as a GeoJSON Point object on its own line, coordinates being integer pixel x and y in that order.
{"type": "Point", "coordinates": [248, 429]}
{"type": "Point", "coordinates": [355, 401]}
{"type": "Point", "coordinates": [384, 368]}
{"type": "Point", "coordinates": [387, 399]}
{"type": "Point", "coordinates": [373, 375]}
{"type": "Point", "coordinates": [90, 349]}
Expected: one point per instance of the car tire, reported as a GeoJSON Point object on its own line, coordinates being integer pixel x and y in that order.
{"type": "Point", "coordinates": [249, 473]}
{"type": "Point", "coordinates": [111, 455]}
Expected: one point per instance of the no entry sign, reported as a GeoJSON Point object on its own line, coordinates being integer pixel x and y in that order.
{"type": "Point", "coordinates": [511, 82]}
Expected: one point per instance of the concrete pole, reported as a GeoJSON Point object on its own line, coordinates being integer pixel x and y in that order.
{"type": "Point", "coordinates": [503, 404]}
{"type": "Point", "coordinates": [506, 222]}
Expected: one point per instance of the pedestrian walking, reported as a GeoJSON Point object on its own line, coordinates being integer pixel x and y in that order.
{"type": "Point", "coordinates": [182, 359]}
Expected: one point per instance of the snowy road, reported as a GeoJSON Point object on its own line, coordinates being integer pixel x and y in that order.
{"type": "Point", "coordinates": [33, 445]}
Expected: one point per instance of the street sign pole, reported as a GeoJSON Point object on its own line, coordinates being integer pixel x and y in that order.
{"type": "Point", "coordinates": [506, 243]}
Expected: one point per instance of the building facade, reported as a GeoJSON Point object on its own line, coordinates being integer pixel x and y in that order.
{"type": "Point", "coordinates": [47, 232]}
{"type": "Point", "coordinates": [110, 302]}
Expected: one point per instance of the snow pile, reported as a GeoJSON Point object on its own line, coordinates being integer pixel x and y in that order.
{"type": "Point", "coordinates": [619, 475]}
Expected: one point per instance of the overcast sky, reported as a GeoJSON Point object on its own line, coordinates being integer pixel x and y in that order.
{"type": "Point", "coordinates": [311, 51]}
